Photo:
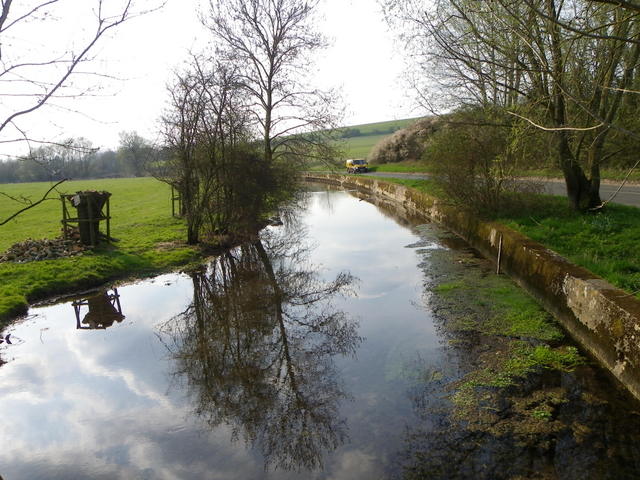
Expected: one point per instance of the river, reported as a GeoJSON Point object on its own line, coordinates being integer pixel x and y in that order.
{"type": "Point", "coordinates": [316, 351]}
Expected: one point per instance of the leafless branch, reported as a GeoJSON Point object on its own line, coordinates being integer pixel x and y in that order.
{"type": "Point", "coordinates": [556, 129]}
{"type": "Point", "coordinates": [30, 205]}
{"type": "Point", "coordinates": [5, 12]}
{"type": "Point", "coordinates": [620, 3]}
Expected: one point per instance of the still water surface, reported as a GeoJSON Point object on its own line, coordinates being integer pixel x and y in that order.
{"type": "Point", "coordinates": [297, 356]}
{"type": "Point", "coordinates": [284, 359]}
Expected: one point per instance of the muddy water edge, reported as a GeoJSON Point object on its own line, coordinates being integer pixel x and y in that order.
{"type": "Point", "coordinates": [382, 347]}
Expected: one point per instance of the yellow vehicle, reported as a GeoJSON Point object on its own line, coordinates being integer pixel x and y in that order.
{"type": "Point", "coordinates": [358, 165]}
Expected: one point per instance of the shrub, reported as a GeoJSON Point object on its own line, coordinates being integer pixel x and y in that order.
{"type": "Point", "coordinates": [405, 144]}
{"type": "Point", "coordinates": [473, 159]}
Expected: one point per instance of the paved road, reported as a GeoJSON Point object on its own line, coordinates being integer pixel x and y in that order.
{"type": "Point", "coordinates": [629, 195]}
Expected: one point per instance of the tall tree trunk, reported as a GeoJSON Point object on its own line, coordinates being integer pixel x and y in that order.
{"type": "Point", "coordinates": [193, 236]}
{"type": "Point", "coordinates": [192, 207]}
{"type": "Point", "coordinates": [578, 186]}
{"type": "Point", "coordinates": [583, 193]}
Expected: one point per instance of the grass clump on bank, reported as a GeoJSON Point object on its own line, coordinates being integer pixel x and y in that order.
{"type": "Point", "coordinates": [150, 241]}
{"type": "Point", "coordinates": [425, 186]}
{"type": "Point", "coordinates": [522, 360]}
{"type": "Point", "coordinates": [520, 316]}
{"type": "Point", "coordinates": [496, 306]}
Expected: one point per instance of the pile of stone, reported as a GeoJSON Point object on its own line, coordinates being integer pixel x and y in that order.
{"type": "Point", "coordinates": [45, 249]}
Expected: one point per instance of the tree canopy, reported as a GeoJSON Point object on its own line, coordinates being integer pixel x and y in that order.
{"type": "Point", "coordinates": [567, 68]}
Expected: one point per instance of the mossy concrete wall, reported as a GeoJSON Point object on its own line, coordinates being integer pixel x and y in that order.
{"type": "Point", "coordinates": [604, 320]}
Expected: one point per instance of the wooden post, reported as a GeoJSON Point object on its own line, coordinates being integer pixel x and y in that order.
{"type": "Point", "coordinates": [108, 220]}
{"type": "Point", "coordinates": [92, 230]}
{"type": "Point", "coordinates": [173, 202]}
{"type": "Point", "coordinates": [64, 217]}
{"type": "Point", "coordinates": [176, 198]}
{"type": "Point", "coordinates": [499, 255]}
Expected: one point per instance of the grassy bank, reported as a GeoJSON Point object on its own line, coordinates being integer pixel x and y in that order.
{"type": "Point", "coordinates": [402, 167]}
{"type": "Point", "coordinates": [150, 240]}
{"type": "Point", "coordinates": [606, 243]}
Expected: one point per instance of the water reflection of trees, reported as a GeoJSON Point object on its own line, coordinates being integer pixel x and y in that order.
{"type": "Point", "coordinates": [257, 346]}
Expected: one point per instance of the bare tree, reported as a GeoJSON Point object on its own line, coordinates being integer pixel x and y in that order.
{"type": "Point", "coordinates": [253, 90]}
{"type": "Point", "coordinates": [134, 152]}
{"type": "Point", "coordinates": [32, 76]}
{"type": "Point", "coordinates": [182, 124]}
{"type": "Point", "coordinates": [270, 43]}
{"type": "Point", "coordinates": [211, 159]}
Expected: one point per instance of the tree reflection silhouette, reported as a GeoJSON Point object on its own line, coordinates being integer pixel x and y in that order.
{"type": "Point", "coordinates": [257, 346]}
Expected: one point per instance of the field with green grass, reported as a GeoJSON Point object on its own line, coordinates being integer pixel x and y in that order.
{"type": "Point", "coordinates": [150, 240]}
{"type": "Point", "coordinates": [400, 167]}
{"type": "Point", "coordinates": [386, 127]}
{"type": "Point", "coordinates": [359, 147]}
{"type": "Point", "coordinates": [367, 135]}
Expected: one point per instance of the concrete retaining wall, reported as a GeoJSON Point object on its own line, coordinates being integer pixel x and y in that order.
{"type": "Point", "coordinates": [604, 320]}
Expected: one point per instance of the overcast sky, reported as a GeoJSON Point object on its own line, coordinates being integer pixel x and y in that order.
{"type": "Point", "coordinates": [144, 52]}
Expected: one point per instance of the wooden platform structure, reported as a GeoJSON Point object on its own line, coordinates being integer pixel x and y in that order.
{"type": "Point", "coordinates": [92, 208]}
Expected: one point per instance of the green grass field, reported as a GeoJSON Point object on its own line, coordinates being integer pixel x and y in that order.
{"type": "Point", "coordinates": [400, 167]}
{"type": "Point", "coordinates": [133, 201]}
{"type": "Point", "coordinates": [150, 240]}
{"type": "Point", "coordinates": [359, 147]}
{"type": "Point", "coordinates": [386, 127]}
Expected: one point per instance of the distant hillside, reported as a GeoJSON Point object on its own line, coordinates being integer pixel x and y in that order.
{"type": "Point", "coordinates": [378, 128]}
{"type": "Point", "coordinates": [358, 140]}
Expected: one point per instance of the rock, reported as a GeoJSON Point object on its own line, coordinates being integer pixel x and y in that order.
{"type": "Point", "coordinates": [45, 249]}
